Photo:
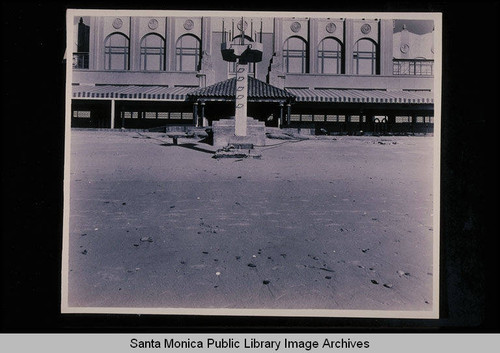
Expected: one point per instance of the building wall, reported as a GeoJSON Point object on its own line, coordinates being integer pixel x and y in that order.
{"type": "Point", "coordinates": [275, 31]}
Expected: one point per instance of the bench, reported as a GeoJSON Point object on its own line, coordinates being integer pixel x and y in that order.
{"type": "Point", "coordinates": [175, 135]}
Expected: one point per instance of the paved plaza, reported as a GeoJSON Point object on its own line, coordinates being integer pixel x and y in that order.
{"type": "Point", "coordinates": [342, 222]}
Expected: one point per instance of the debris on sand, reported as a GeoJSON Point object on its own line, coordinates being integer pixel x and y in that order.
{"type": "Point", "coordinates": [403, 274]}
{"type": "Point", "coordinates": [252, 265]}
{"type": "Point", "coordinates": [266, 281]}
{"type": "Point", "coordinates": [374, 282]}
{"type": "Point", "coordinates": [147, 239]}
{"type": "Point", "coordinates": [365, 250]}
{"type": "Point", "coordinates": [84, 252]}
{"type": "Point", "coordinates": [388, 285]}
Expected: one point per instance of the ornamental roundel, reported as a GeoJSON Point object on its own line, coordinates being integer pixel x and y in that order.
{"type": "Point", "coordinates": [404, 48]}
{"type": "Point", "coordinates": [366, 28]}
{"type": "Point", "coordinates": [188, 25]}
{"type": "Point", "coordinates": [242, 25]}
{"type": "Point", "coordinates": [295, 27]}
{"type": "Point", "coordinates": [331, 27]}
{"type": "Point", "coordinates": [117, 23]}
{"type": "Point", "coordinates": [153, 23]}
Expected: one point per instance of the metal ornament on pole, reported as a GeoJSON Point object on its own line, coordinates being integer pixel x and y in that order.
{"type": "Point", "coordinates": [242, 51]}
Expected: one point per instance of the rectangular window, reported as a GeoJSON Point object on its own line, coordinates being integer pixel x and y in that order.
{"type": "Point", "coordinates": [131, 115]}
{"type": "Point", "coordinates": [162, 115]}
{"type": "Point", "coordinates": [150, 115]}
{"type": "Point", "coordinates": [403, 119]}
{"type": "Point", "coordinates": [176, 115]}
{"type": "Point", "coordinates": [341, 118]}
{"type": "Point", "coordinates": [418, 67]}
{"type": "Point", "coordinates": [318, 117]}
{"type": "Point", "coordinates": [306, 117]}
{"type": "Point", "coordinates": [81, 114]}
{"type": "Point", "coordinates": [354, 119]}
{"type": "Point", "coordinates": [294, 117]}
{"type": "Point", "coordinates": [187, 116]}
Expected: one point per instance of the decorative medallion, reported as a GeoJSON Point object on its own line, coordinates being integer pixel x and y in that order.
{"type": "Point", "coordinates": [295, 27]}
{"type": "Point", "coordinates": [189, 24]}
{"type": "Point", "coordinates": [153, 23]}
{"type": "Point", "coordinates": [242, 25]}
{"type": "Point", "coordinates": [117, 23]}
{"type": "Point", "coordinates": [331, 27]}
{"type": "Point", "coordinates": [404, 48]}
{"type": "Point", "coordinates": [366, 28]}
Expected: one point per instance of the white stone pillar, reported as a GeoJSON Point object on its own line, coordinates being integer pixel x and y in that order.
{"type": "Point", "coordinates": [240, 115]}
{"type": "Point", "coordinates": [112, 114]}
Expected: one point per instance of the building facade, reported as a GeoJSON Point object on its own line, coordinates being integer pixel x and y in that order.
{"type": "Point", "coordinates": [335, 75]}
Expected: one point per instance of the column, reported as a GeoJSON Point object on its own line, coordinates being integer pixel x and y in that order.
{"type": "Point", "coordinates": [348, 45]}
{"type": "Point", "coordinates": [195, 114]}
{"type": "Point", "coordinates": [313, 42]}
{"type": "Point", "coordinates": [288, 112]}
{"type": "Point", "coordinates": [112, 125]}
{"type": "Point", "coordinates": [280, 120]}
{"type": "Point", "coordinates": [134, 54]}
{"type": "Point", "coordinates": [203, 119]}
{"type": "Point", "coordinates": [386, 47]}
{"type": "Point", "coordinates": [240, 114]}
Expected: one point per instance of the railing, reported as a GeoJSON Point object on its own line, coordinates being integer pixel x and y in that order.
{"type": "Point", "coordinates": [416, 67]}
{"type": "Point", "coordinates": [80, 60]}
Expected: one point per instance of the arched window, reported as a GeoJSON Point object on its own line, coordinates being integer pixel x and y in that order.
{"type": "Point", "coordinates": [330, 56]}
{"type": "Point", "coordinates": [152, 52]}
{"type": "Point", "coordinates": [295, 58]}
{"type": "Point", "coordinates": [116, 52]}
{"type": "Point", "coordinates": [365, 58]}
{"type": "Point", "coordinates": [187, 53]}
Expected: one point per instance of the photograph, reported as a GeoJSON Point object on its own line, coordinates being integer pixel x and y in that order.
{"type": "Point", "coordinates": [245, 163]}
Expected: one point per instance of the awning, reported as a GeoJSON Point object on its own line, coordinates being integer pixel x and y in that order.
{"type": "Point", "coordinates": [163, 93]}
{"type": "Point", "coordinates": [258, 91]}
{"type": "Point", "coordinates": [361, 96]}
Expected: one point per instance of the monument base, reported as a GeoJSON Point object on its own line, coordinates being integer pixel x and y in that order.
{"type": "Point", "coordinates": [223, 133]}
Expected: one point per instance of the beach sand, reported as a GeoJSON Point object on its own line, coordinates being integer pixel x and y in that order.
{"type": "Point", "coordinates": [323, 223]}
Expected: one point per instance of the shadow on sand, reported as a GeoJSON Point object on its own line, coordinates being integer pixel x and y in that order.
{"type": "Point", "coordinates": [191, 146]}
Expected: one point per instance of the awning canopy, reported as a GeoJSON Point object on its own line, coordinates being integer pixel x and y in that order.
{"type": "Point", "coordinates": [163, 93]}
{"type": "Point", "coordinates": [258, 91]}
{"type": "Point", "coordinates": [361, 96]}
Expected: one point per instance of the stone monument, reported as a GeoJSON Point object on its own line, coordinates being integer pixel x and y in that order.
{"type": "Point", "coordinates": [240, 131]}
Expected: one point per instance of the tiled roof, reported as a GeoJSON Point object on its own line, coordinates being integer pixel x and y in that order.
{"type": "Point", "coordinates": [257, 90]}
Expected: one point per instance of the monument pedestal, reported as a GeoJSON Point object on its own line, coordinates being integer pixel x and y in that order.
{"type": "Point", "coordinates": [224, 133]}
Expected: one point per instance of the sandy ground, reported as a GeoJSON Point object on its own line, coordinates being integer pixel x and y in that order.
{"type": "Point", "coordinates": [326, 223]}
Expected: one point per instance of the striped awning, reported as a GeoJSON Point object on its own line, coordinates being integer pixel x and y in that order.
{"type": "Point", "coordinates": [132, 92]}
{"type": "Point", "coordinates": [361, 96]}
